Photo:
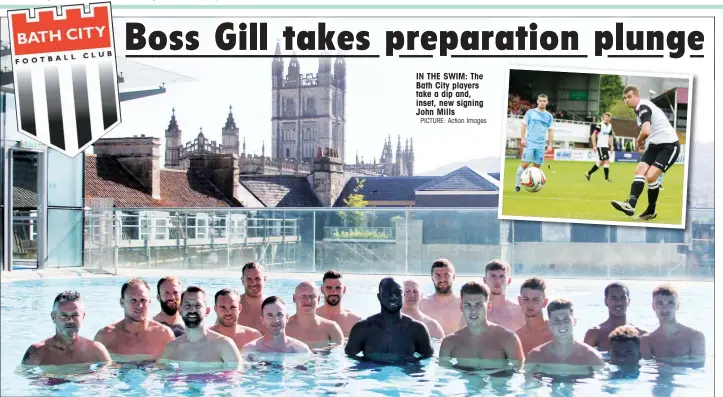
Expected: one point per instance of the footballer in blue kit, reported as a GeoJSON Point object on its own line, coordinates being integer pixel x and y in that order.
{"type": "Point", "coordinates": [536, 137]}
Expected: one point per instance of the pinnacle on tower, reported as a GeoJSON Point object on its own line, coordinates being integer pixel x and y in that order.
{"type": "Point", "coordinates": [230, 122]}
{"type": "Point", "coordinates": [173, 124]}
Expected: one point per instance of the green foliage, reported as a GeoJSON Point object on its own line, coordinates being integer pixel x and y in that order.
{"type": "Point", "coordinates": [355, 200]}
{"type": "Point", "coordinates": [396, 219]}
{"type": "Point", "coordinates": [361, 234]}
{"type": "Point", "coordinates": [620, 110]}
{"type": "Point", "coordinates": [611, 90]}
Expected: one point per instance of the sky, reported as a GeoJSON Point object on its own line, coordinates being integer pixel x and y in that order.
{"type": "Point", "coordinates": [380, 91]}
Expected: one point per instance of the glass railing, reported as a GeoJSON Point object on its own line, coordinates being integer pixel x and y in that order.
{"type": "Point", "coordinates": [390, 241]}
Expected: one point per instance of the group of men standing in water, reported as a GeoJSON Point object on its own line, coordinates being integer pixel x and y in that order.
{"type": "Point", "coordinates": [478, 328]}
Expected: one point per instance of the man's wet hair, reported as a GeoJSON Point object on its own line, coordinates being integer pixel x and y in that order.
{"type": "Point", "coordinates": [193, 289]}
{"type": "Point", "coordinates": [251, 265]}
{"type": "Point", "coordinates": [131, 282]}
{"type": "Point", "coordinates": [559, 304]}
{"type": "Point", "coordinates": [665, 290]}
{"type": "Point", "coordinates": [625, 333]}
{"type": "Point", "coordinates": [172, 279]}
{"type": "Point", "coordinates": [441, 263]}
{"type": "Point", "coordinates": [332, 275]}
{"type": "Point", "coordinates": [225, 292]}
{"type": "Point", "coordinates": [535, 283]}
{"type": "Point", "coordinates": [617, 285]}
{"type": "Point", "coordinates": [66, 296]}
{"type": "Point", "coordinates": [497, 264]}
{"type": "Point", "coordinates": [271, 300]}
{"type": "Point", "coordinates": [475, 288]}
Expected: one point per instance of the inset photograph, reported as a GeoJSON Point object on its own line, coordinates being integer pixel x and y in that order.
{"type": "Point", "coordinates": [599, 147]}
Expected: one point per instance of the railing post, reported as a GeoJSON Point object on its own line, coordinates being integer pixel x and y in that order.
{"type": "Point", "coordinates": [118, 223]}
{"type": "Point", "coordinates": [228, 236]}
{"type": "Point", "coordinates": [406, 242]}
{"type": "Point", "coordinates": [313, 242]}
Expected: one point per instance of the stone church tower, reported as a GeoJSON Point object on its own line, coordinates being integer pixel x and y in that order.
{"type": "Point", "coordinates": [308, 111]}
{"type": "Point", "coordinates": [173, 143]}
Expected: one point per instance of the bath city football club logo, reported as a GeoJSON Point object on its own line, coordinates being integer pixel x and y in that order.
{"type": "Point", "coordinates": [65, 75]}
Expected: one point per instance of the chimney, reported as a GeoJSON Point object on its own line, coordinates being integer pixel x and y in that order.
{"type": "Point", "coordinates": [328, 176]}
{"type": "Point", "coordinates": [222, 170]}
{"type": "Point", "coordinates": [140, 156]}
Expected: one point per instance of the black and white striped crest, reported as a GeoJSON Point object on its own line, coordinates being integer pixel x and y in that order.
{"type": "Point", "coordinates": [66, 99]}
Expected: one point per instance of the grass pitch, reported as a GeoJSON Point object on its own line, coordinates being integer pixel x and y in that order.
{"type": "Point", "coordinates": [568, 195]}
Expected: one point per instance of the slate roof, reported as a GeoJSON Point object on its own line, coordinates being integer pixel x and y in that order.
{"type": "Point", "coordinates": [25, 186]}
{"type": "Point", "coordinates": [462, 179]}
{"type": "Point", "coordinates": [106, 178]}
{"type": "Point", "coordinates": [384, 188]}
{"type": "Point", "coordinates": [281, 191]}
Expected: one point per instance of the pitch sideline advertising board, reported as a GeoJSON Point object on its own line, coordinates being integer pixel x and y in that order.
{"type": "Point", "coordinates": [65, 74]}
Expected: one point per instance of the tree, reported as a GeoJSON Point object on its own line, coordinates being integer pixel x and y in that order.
{"type": "Point", "coordinates": [620, 110]}
{"type": "Point", "coordinates": [611, 90]}
{"type": "Point", "coordinates": [355, 200]}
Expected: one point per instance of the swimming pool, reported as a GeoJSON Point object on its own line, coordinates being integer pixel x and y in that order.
{"type": "Point", "coordinates": [26, 307]}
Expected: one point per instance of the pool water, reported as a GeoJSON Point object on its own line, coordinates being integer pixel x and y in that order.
{"type": "Point", "coordinates": [26, 307]}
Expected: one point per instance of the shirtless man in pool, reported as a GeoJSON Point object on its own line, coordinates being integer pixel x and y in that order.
{"type": "Point", "coordinates": [136, 337]}
{"type": "Point", "coordinates": [480, 344]}
{"type": "Point", "coordinates": [274, 320]}
{"type": "Point", "coordinates": [617, 300]}
{"type": "Point", "coordinates": [563, 352]}
{"type": "Point", "coordinates": [200, 346]}
{"type": "Point", "coordinates": [253, 279]}
{"type": "Point", "coordinates": [169, 296]}
{"type": "Point", "coordinates": [671, 341]}
{"type": "Point", "coordinates": [306, 326]}
{"type": "Point", "coordinates": [227, 304]}
{"type": "Point", "coordinates": [390, 336]}
{"type": "Point", "coordinates": [67, 347]}
{"type": "Point", "coordinates": [443, 304]}
{"type": "Point", "coordinates": [333, 289]}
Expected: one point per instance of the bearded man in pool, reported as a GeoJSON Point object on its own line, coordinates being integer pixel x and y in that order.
{"type": "Point", "coordinates": [199, 347]}
{"type": "Point", "coordinates": [390, 336]}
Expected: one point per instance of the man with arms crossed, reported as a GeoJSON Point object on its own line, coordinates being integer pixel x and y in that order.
{"type": "Point", "coordinates": [617, 300]}
{"type": "Point", "coordinates": [412, 296]}
{"type": "Point", "coordinates": [389, 336]}
{"type": "Point", "coordinates": [67, 346]}
{"type": "Point", "coordinates": [536, 126]}
{"type": "Point", "coordinates": [574, 356]}
{"type": "Point", "coordinates": [480, 344]}
{"type": "Point", "coordinates": [199, 347]}
{"type": "Point", "coordinates": [136, 337]}
{"type": "Point", "coordinates": [443, 303]}
{"type": "Point", "coordinates": [169, 295]}
{"type": "Point", "coordinates": [662, 152]}
{"type": "Point", "coordinates": [333, 289]}
{"type": "Point", "coordinates": [503, 312]}
{"type": "Point", "coordinates": [253, 279]}
{"type": "Point", "coordinates": [274, 320]}
{"type": "Point", "coordinates": [227, 308]}
{"type": "Point", "coordinates": [306, 326]}
{"type": "Point", "coordinates": [536, 330]}
{"type": "Point", "coordinates": [602, 143]}
{"type": "Point", "coordinates": [672, 341]}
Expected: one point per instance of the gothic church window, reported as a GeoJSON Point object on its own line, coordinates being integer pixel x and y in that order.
{"type": "Point", "coordinates": [310, 108]}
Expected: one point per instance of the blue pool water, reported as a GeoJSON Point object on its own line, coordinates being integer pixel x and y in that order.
{"type": "Point", "coordinates": [26, 309]}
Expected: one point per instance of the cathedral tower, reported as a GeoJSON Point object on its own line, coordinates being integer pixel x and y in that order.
{"type": "Point", "coordinates": [307, 110]}
{"type": "Point", "coordinates": [230, 135]}
{"type": "Point", "coordinates": [173, 143]}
